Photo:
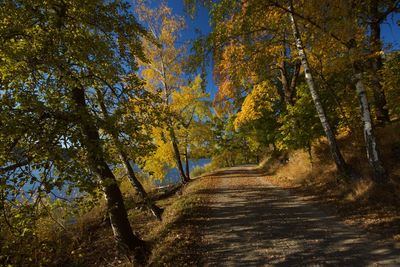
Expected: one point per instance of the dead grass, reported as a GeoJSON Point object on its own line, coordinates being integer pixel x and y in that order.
{"type": "Point", "coordinates": [177, 237]}
{"type": "Point", "coordinates": [363, 203]}
{"type": "Point", "coordinates": [172, 241]}
{"type": "Point", "coordinates": [88, 240]}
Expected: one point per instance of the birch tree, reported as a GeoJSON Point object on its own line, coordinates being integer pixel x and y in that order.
{"type": "Point", "coordinates": [163, 69]}
{"type": "Point", "coordinates": [336, 154]}
{"type": "Point", "coordinates": [349, 40]}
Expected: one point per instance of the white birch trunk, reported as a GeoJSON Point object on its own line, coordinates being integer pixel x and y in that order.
{"type": "Point", "coordinates": [368, 130]}
{"type": "Point", "coordinates": [336, 154]}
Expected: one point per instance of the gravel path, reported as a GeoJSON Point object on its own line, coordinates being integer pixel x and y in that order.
{"type": "Point", "coordinates": [252, 223]}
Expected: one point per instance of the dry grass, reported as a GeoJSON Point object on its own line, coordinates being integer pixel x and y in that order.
{"type": "Point", "coordinates": [172, 241]}
{"type": "Point", "coordinates": [177, 236]}
{"type": "Point", "coordinates": [362, 202]}
{"type": "Point", "coordinates": [88, 240]}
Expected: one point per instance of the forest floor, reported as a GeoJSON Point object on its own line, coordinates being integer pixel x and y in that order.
{"type": "Point", "coordinates": [247, 221]}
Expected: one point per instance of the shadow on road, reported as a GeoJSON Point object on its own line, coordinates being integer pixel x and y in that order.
{"type": "Point", "coordinates": [250, 223]}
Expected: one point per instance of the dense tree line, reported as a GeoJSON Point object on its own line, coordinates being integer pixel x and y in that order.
{"type": "Point", "coordinates": [272, 57]}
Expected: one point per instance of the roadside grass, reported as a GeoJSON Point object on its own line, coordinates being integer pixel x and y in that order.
{"type": "Point", "coordinates": [359, 202]}
{"type": "Point", "coordinates": [88, 240]}
{"type": "Point", "coordinates": [176, 238]}
{"type": "Point", "coordinates": [204, 170]}
{"type": "Point", "coordinates": [172, 242]}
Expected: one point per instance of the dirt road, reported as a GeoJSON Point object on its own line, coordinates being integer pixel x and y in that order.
{"type": "Point", "coordinates": [249, 222]}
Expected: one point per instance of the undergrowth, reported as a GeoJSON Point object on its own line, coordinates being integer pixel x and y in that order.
{"type": "Point", "coordinates": [88, 240]}
{"type": "Point", "coordinates": [361, 201]}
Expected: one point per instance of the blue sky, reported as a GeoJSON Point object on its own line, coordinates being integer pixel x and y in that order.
{"type": "Point", "coordinates": [390, 31]}
{"type": "Point", "coordinates": [200, 22]}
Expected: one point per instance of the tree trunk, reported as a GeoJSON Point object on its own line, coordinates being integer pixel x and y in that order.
{"type": "Point", "coordinates": [126, 240]}
{"type": "Point", "coordinates": [288, 83]}
{"type": "Point", "coordinates": [334, 148]}
{"type": "Point", "coordinates": [187, 162]}
{"type": "Point", "coordinates": [174, 141]}
{"type": "Point", "coordinates": [177, 155]}
{"type": "Point", "coordinates": [369, 137]}
{"type": "Point", "coordinates": [293, 82]}
{"type": "Point", "coordinates": [285, 94]}
{"type": "Point", "coordinates": [155, 210]}
{"type": "Point", "coordinates": [382, 114]}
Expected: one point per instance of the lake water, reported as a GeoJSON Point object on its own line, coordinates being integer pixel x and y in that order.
{"type": "Point", "coordinates": [172, 176]}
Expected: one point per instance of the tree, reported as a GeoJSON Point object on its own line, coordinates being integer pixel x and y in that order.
{"type": "Point", "coordinates": [336, 154]}
{"type": "Point", "coordinates": [349, 38]}
{"type": "Point", "coordinates": [337, 43]}
{"type": "Point", "coordinates": [52, 59]}
{"type": "Point", "coordinates": [115, 133]}
{"type": "Point", "coordinates": [192, 108]}
{"type": "Point", "coordinates": [375, 14]}
{"type": "Point", "coordinates": [245, 23]}
{"type": "Point", "coordinates": [163, 68]}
